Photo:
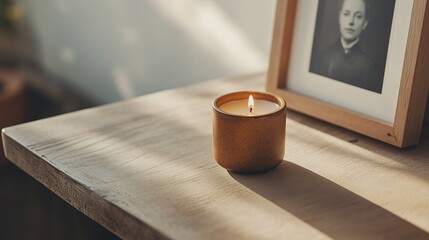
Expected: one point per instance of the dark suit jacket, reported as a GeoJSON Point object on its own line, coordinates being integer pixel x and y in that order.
{"type": "Point", "coordinates": [355, 67]}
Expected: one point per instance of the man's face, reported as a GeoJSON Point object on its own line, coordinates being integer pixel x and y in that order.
{"type": "Point", "coordinates": [352, 19]}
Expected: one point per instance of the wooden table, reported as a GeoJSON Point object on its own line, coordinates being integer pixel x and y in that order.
{"type": "Point", "coordinates": [144, 168]}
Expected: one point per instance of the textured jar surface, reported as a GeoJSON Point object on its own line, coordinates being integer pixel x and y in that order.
{"type": "Point", "coordinates": [249, 144]}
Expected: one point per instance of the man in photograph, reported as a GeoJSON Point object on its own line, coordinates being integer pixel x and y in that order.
{"type": "Point", "coordinates": [344, 60]}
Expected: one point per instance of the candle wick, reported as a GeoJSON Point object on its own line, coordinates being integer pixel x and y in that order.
{"type": "Point", "coordinates": [251, 110]}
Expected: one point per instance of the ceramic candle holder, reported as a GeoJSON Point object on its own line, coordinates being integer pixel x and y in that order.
{"type": "Point", "coordinates": [249, 143]}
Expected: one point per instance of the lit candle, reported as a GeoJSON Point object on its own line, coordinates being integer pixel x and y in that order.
{"type": "Point", "coordinates": [249, 106]}
{"type": "Point", "coordinates": [249, 131]}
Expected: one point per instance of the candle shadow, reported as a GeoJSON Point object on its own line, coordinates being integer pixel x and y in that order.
{"type": "Point", "coordinates": [327, 206]}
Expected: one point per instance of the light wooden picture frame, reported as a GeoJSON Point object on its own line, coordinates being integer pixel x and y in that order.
{"type": "Point", "coordinates": [404, 130]}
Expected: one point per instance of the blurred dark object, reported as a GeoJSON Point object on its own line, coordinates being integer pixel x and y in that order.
{"type": "Point", "coordinates": [28, 92]}
{"type": "Point", "coordinates": [9, 13]}
{"type": "Point", "coordinates": [425, 129]}
{"type": "Point", "coordinates": [30, 211]}
{"type": "Point", "coordinates": [13, 107]}
{"type": "Point", "coordinates": [13, 47]}
{"type": "Point", "coordinates": [16, 43]}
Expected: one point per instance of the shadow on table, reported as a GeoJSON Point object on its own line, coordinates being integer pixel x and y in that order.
{"type": "Point", "coordinates": [413, 160]}
{"type": "Point", "coordinates": [328, 207]}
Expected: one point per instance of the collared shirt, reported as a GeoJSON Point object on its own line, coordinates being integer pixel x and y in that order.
{"type": "Point", "coordinates": [347, 46]}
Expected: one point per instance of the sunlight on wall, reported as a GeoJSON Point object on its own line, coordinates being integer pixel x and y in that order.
{"type": "Point", "coordinates": [120, 49]}
{"type": "Point", "coordinates": [208, 25]}
{"type": "Point", "coordinates": [130, 36]}
{"type": "Point", "coordinates": [123, 83]}
{"type": "Point", "coordinates": [67, 55]}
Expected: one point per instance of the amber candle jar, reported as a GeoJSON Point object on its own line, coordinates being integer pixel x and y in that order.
{"type": "Point", "coordinates": [249, 138]}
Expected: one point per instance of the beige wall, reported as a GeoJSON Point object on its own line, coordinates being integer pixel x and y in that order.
{"type": "Point", "coordinates": [116, 49]}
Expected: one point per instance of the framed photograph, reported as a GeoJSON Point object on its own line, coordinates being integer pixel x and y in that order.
{"type": "Point", "coordinates": [359, 64]}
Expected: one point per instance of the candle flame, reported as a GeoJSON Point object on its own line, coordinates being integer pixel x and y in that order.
{"type": "Point", "coordinates": [251, 103]}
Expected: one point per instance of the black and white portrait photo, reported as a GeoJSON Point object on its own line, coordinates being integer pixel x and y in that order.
{"type": "Point", "coordinates": [351, 41]}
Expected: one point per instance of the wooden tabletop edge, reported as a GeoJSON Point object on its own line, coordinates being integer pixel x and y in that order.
{"type": "Point", "coordinates": [71, 190]}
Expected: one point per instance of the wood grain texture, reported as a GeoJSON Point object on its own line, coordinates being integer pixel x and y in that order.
{"type": "Point", "coordinates": [144, 168]}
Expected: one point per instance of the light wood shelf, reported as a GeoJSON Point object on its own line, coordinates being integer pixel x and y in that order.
{"type": "Point", "coordinates": [144, 168]}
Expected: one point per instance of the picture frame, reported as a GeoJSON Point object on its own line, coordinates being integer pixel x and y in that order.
{"type": "Point", "coordinates": [412, 94]}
